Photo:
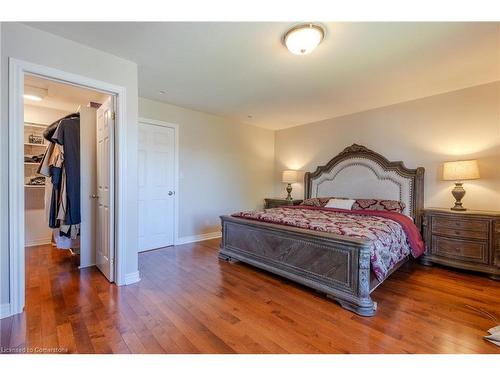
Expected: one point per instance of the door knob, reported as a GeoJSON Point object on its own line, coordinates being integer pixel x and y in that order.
{"type": "Point", "coordinates": [170, 193]}
{"type": "Point", "coordinates": [93, 196]}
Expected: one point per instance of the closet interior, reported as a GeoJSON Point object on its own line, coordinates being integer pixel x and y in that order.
{"type": "Point", "coordinates": [61, 167]}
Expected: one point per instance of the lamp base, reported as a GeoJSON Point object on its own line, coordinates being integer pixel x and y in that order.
{"type": "Point", "coordinates": [289, 191]}
{"type": "Point", "coordinates": [458, 193]}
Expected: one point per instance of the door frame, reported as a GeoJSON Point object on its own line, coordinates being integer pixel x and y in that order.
{"type": "Point", "coordinates": [17, 70]}
{"type": "Point", "coordinates": [175, 127]}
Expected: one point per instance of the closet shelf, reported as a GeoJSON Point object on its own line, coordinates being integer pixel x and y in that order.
{"type": "Point", "coordinates": [36, 144]}
{"type": "Point", "coordinates": [35, 125]}
{"type": "Point", "coordinates": [31, 163]}
{"type": "Point", "coordinates": [34, 186]}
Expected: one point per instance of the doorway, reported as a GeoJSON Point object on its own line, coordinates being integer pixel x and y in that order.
{"type": "Point", "coordinates": [19, 71]}
{"type": "Point", "coordinates": [68, 176]}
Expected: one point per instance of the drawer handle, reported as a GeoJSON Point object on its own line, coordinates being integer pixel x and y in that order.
{"type": "Point", "coordinates": [457, 232]}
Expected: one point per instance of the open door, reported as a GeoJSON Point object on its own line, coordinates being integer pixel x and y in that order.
{"type": "Point", "coordinates": [105, 189]}
{"type": "Point", "coordinates": [88, 184]}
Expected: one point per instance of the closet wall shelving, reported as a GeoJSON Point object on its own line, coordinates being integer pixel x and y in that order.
{"type": "Point", "coordinates": [33, 134]}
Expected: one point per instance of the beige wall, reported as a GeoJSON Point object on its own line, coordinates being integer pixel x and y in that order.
{"type": "Point", "coordinates": [42, 115]}
{"type": "Point", "coordinates": [224, 166]}
{"type": "Point", "coordinates": [463, 124]}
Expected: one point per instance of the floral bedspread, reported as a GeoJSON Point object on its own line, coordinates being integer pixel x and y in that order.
{"type": "Point", "coordinates": [389, 242]}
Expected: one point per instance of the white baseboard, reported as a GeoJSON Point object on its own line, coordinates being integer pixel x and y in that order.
{"type": "Point", "coordinates": [42, 241]}
{"type": "Point", "coordinates": [198, 238]}
{"type": "Point", "coordinates": [132, 278]}
{"type": "Point", "coordinates": [4, 310]}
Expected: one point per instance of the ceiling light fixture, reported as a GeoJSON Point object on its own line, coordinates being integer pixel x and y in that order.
{"type": "Point", "coordinates": [35, 98]}
{"type": "Point", "coordinates": [303, 39]}
{"type": "Point", "coordinates": [34, 93]}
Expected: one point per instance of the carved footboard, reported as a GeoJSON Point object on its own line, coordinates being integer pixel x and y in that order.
{"type": "Point", "coordinates": [329, 263]}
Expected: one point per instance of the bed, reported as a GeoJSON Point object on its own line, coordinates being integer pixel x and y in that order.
{"type": "Point", "coordinates": [334, 263]}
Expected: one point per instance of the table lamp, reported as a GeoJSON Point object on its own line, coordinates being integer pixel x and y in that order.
{"type": "Point", "coordinates": [289, 177]}
{"type": "Point", "coordinates": [458, 171]}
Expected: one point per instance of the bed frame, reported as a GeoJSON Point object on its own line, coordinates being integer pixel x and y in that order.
{"type": "Point", "coordinates": [336, 265]}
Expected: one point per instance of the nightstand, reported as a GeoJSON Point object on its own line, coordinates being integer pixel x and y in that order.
{"type": "Point", "coordinates": [467, 240]}
{"type": "Point", "coordinates": [277, 202]}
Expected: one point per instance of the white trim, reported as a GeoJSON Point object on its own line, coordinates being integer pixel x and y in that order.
{"type": "Point", "coordinates": [176, 169]}
{"type": "Point", "coordinates": [132, 278]}
{"type": "Point", "coordinates": [17, 69]}
{"type": "Point", "coordinates": [198, 238]}
{"type": "Point", "coordinates": [16, 188]}
{"type": "Point", "coordinates": [5, 310]}
{"type": "Point", "coordinates": [41, 241]}
{"type": "Point", "coordinates": [120, 186]}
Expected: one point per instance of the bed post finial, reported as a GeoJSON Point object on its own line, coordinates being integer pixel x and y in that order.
{"type": "Point", "coordinates": [354, 148]}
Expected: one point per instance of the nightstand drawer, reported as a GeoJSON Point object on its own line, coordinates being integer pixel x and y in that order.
{"type": "Point", "coordinates": [470, 224]}
{"type": "Point", "coordinates": [277, 202]}
{"type": "Point", "coordinates": [463, 233]}
{"type": "Point", "coordinates": [471, 251]}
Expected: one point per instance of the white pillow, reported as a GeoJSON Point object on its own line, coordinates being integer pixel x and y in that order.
{"type": "Point", "coordinates": [345, 204]}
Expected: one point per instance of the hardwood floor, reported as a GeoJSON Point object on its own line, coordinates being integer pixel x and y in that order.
{"type": "Point", "coordinates": [190, 302]}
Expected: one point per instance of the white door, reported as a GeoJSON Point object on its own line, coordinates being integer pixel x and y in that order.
{"type": "Point", "coordinates": [105, 193]}
{"type": "Point", "coordinates": [156, 186]}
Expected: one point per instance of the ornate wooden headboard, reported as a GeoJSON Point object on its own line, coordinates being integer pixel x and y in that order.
{"type": "Point", "coordinates": [358, 172]}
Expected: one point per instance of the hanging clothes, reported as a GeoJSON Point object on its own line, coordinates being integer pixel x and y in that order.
{"type": "Point", "coordinates": [61, 163]}
{"type": "Point", "coordinates": [67, 135]}
{"type": "Point", "coordinates": [56, 176]}
{"type": "Point", "coordinates": [49, 132]}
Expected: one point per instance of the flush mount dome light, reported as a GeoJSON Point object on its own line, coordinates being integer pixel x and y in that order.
{"type": "Point", "coordinates": [35, 98]}
{"type": "Point", "coordinates": [303, 39]}
{"type": "Point", "coordinates": [34, 93]}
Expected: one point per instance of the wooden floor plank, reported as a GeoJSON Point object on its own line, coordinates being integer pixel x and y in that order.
{"type": "Point", "coordinates": [189, 301]}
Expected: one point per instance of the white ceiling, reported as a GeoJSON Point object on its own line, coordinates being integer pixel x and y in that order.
{"type": "Point", "coordinates": [240, 69]}
{"type": "Point", "coordinates": [61, 96]}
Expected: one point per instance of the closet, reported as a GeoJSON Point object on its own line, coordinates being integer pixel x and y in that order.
{"type": "Point", "coordinates": [66, 171]}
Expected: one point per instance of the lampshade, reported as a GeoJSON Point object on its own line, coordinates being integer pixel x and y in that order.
{"type": "Point", "coordinates": [460, 170]}
{"type": "Point", "coordinates": [289, 177]}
